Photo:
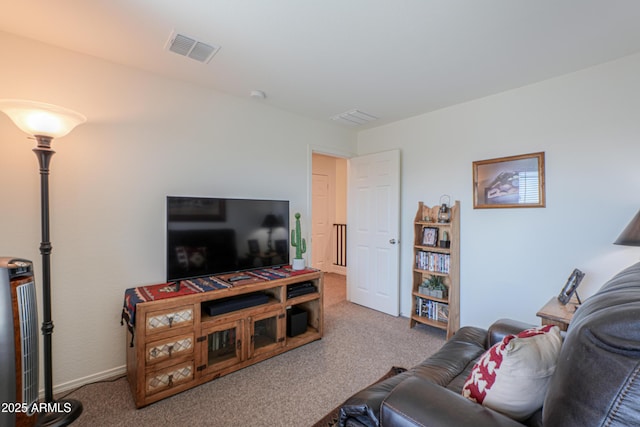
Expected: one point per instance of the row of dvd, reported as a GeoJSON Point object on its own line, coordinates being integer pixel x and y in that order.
{"type": "Point", "coordinates": [433, 310]}
{"type": "Point", "coordinates": [433, 261]}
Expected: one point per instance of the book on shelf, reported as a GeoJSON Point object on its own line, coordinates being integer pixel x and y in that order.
{"type": "Point", "coordinates": [442, 312]}
{"type": "Point", "coordinates": [433, 310]}
{"type": "Point", "coordinates": [433, 261]}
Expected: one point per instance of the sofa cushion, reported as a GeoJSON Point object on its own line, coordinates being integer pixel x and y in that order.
{"type": "Point", "coordinates": [513, 375]}
{"type": "Point", "coordinates": [453, 362]}
{"type": "Point", "coordinates": [416, 402]}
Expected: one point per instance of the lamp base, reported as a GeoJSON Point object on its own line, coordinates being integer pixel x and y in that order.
{"type": "Point", "coordinates": [67, 411]}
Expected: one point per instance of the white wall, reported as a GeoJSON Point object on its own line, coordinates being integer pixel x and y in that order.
{"type": "Point", "coordinates": [146, 137]}
{"type": "Point", "coordinates": [514, 260]}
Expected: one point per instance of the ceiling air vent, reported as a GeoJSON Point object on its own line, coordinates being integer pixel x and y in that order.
{"type": "Point", "coordinates": [354, 118]}
{"type": "Point", "coordinates": [190, 47]}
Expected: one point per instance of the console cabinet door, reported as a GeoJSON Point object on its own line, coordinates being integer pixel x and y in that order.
{"type": "Point", "coordinates": [266, 332]}
{"type": "Point", "coordinates": [222, 346]}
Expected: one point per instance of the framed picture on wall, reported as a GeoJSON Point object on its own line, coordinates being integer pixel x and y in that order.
{"type": "Point", "coordinates": [509, 182]}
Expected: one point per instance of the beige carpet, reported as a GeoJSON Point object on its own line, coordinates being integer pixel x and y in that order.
{"type": "Point", "coordinates": [296, 388]}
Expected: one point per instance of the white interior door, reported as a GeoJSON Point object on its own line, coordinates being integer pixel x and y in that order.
{"type": "Point", "coordinates": [320, 226]}
{"type": "Point", "coordinates": [373, 218]}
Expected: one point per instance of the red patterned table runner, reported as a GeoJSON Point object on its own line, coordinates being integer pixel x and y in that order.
{"type": "Point", "coordinates": [133, 296]}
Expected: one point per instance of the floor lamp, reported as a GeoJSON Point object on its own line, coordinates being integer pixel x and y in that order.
{"type": "Point", "coordinates": [45, 122]}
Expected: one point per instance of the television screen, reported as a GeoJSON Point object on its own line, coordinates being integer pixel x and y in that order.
{"type": "Point", "coordinates": [207, 236]}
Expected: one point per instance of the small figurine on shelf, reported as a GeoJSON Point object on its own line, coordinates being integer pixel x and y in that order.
{"type": "Point", "coordinates": [298, 242]}
{"type": "Point", "coordinates": [444, 240]}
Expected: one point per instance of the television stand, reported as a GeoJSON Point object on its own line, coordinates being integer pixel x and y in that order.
{"type": "Point", "coordinates": [173, 344]}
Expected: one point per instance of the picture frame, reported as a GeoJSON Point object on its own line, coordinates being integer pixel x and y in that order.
{"type": "Point", "coordinates": [571, 287]}
{"type": "Point", "coordinates": [509, 182]}
{"type": "Point", "coordinates": [429, 236]}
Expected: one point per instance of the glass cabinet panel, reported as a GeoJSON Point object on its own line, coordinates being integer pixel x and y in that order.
{"type": "Point", "coordinates": [267, 332]}
{"type": "Point", "coordinates": [223, 345]}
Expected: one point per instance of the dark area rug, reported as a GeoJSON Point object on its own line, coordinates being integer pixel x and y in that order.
{"type": "Point", "coordinates": [331, 419]}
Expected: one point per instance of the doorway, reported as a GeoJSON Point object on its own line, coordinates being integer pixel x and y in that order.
{"type": "Point", "coordinates": [328, 213]}
{"type": "Point", "coordinates": [370, 185]}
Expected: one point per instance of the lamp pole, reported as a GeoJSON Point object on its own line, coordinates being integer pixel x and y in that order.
{"type": "Point", "coordinates": [44, 122]}
{"type": "Point", "coordinates": [64, 412]}
{"type": "Point", "coordinates": [44, 153]}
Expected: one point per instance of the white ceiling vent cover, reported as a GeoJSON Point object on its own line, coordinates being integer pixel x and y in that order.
{"type": "Point", "coordinates": [191, 48]}
{"type": "Point", "coordinates": [354, 118]}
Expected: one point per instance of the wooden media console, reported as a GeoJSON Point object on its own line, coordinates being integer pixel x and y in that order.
{"type": "Point", "coordinates": [173, 344]}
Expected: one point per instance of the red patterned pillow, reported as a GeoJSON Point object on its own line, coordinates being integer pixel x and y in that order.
{"type": "Point", "coordinates": [513, 375]}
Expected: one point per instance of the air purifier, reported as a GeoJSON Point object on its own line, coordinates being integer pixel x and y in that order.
{"type": "Point", "coordinates": [18, 343]}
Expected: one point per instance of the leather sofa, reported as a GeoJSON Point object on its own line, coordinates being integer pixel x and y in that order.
{"type": "Point", "coordinates": [596, 381]}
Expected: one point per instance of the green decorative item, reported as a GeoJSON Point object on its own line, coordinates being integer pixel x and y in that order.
{"type": "Point", "coordinates": [298, 242]}
{"type": "Point", "coordinates": [436, 286]}
{"type": "Point", "coordinates": [444, 241]}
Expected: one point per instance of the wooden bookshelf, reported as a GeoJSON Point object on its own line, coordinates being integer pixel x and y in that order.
{"type": "Point", "coordinates": [432, 259]}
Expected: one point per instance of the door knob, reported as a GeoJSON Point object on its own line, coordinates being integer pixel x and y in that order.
{"type": "Point", "coordinates": [392, 241]}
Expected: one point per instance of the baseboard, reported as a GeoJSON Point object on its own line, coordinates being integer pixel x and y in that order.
{"type": "Point", "coordinates": [100, 376]}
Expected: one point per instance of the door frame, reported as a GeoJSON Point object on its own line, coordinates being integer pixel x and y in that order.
{"type": "Point", "coordinates": [311, 150]}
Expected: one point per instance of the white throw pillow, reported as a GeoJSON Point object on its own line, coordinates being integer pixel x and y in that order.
{"type": "Point", "coordinates": [512, 376]}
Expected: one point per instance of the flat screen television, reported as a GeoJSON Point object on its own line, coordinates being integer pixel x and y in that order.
{"type": "Point", "coordinates": [207, 236]}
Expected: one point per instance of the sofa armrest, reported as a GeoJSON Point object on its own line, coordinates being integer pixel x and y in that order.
{"type": "Point", "coordinates": [363, 407]}
{"type": "Point", "coordinates": [503, 327]}
{"type": "Point", "coordinates": [416, 402]}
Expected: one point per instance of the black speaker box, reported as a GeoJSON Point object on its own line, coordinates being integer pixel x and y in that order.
{"type": "Point", "coordinates": [227, 305]}
{"type": "Point", "coordinates": [296, 321]}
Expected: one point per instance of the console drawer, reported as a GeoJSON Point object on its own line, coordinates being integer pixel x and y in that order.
{"type": "Point", "coordinates": [168, 378]}
{"type": "Point", "coordinates": [170, 348]}
{"type": "Point", "coordinates": [159, 321]}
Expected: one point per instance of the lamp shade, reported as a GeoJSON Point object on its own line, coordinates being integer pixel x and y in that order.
{"type": "Point", "coordinates": [40, 119]}
{"type": "Point", "coordinates": [272, 221]}
{"type": "Point", "coordinates": [630, 236]}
